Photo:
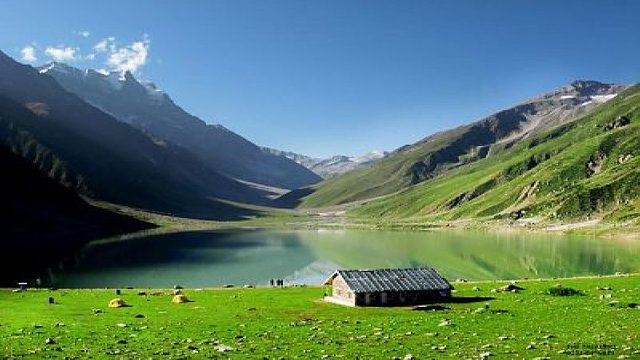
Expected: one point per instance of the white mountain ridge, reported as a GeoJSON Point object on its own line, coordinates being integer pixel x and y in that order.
{"type": "Point", "coordinates": [332, 166]}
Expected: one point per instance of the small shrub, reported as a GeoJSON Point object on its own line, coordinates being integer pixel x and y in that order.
{"type": "Point", "coordinates": [563, 291]}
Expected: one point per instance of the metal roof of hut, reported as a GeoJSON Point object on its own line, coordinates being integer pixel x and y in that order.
{"type": "Point", "coordinates": [415, 279]}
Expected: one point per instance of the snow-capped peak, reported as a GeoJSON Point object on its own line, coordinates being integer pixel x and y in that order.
{"type": "Point", "coordinates": [370, 156]}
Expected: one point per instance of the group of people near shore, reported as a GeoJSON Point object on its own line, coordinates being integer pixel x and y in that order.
{"type": "Point", "coordinates": [276, 282]}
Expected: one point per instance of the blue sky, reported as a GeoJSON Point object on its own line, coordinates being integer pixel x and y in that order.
{"type": "Point", "coordinates": [338, 76]}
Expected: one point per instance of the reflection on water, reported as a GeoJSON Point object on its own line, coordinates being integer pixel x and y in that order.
{"type": "Point", "coordinates": [212, 258]}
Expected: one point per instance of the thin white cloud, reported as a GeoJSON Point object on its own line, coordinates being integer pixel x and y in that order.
{"type": "Point", "coordinates": [61, 53]}
{"type": "Point", "coordinates": [28, 54]}
{"type": "Point", "coordinates": [84, 33]}
{"type": "Point", "coordinates": [106, 45]}
{"type": "Point", "coordinates": [130, 58]}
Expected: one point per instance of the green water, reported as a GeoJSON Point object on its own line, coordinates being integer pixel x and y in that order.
{"type": "Point", "coordinates": [213, 258]}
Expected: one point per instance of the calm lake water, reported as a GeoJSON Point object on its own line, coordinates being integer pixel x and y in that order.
{"type": "Point", "coordinates": [213, 258]}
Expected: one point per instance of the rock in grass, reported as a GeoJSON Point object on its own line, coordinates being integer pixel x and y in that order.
{"type": "Point", "coordinates": [117, 303]}
{"type": "Point", "coordinates": [223, 348]}
{"type": "Point", "coordinates": [139, 316]}
{"type": "Point", "coordinates": [122, 325]}
{"type": "Point", "coordinates": [179, 299]}
{"type": "Point", "coordinates": [485, 355]}
{"type": "Point", "coordinates": [511, 287]}
{"type": "Point", "coordinates": [445, 322]}
{"type": "Point", "coordinates": [49, 341]}
{"type": "Point", "coordinates": [408, 357]}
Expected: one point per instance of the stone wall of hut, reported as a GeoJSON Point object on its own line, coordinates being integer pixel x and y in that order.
{"type": "Point", "coordinates": [341, 290]}
{"type": "Point", "coordinates": [400, 298]}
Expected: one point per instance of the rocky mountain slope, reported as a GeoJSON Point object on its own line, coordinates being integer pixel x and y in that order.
{"type": "Point", "coordinates": [142, 105]}
{"type": "Point", "coordinates": [441, 152]}
{"type": "Point", "coordinates": [91, 152]}
{"type": "Point", "coordinates": [333, 166]}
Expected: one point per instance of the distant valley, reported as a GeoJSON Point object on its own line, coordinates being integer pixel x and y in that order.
{"type": "Point", "coordinates": [82, 136]}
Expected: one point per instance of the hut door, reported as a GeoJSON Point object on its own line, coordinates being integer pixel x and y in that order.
{"type": "Point", "coordinates": [367, 299]}
{"type": "Point", "coordinates": [383, 298]}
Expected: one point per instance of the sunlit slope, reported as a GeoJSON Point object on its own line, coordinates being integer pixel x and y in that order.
{"type": "Point", "coordinates": [588, 166]}
{"type": "Point", "coordinates": [441, 152]}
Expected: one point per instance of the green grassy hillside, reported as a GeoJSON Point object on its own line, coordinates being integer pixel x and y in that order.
{"type": "Point", "coordinates": [590, 166]}
{"type": "Point", "coordinates": [438, 153]}
{"type": "Point", "coordinates": [293, 323]}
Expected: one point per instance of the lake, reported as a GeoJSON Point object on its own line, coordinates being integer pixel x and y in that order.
{"type": "Point", "coordinates": [214, 258]}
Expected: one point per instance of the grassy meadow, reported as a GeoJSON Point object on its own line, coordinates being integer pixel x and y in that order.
{"type": "Point", "coordinates": [601, 319]}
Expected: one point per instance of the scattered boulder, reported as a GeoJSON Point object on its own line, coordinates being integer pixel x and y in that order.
{"type": "Point", "coordinates": [223, 348]}
{"type": "Point", "coordinates": [511, 287]}
{"type": "Point", "coordinates": [619, 122]}
{"type": "Point", "coordinates": [117, 303]}
{"type": "Point", "coordinates": [142, 293]}
{"type": "Point", "coordinates": [475, 288]}
{"type": "Point", "coordinates": [180, 298]}
{"type": "Point", "coordinates": [594, 164]}
{"type": "Point", "coordinates": [49, 341]}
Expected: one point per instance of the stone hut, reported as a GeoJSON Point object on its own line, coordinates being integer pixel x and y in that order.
{"type": "Point", "coordinates": [387, 287]}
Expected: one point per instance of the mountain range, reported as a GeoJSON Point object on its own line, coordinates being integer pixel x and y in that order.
{"type": "Point", "coordinates": [71, 136]}
{"type": "Point", "coordinates": [99, 156]}
{"type": "Point", "coordinates": [332, 166]}
{"type": "Point", "coordinates": [142, 105]}
{"type": "Point", "coordinates": [445, 151]}
{"type": "Point", "coordinates": [583, 171]}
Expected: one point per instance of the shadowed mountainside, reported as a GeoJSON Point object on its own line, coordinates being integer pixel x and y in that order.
{"type": "Point", "coordinates": [143, 106]}
{"type": "Point", "coordinates": [99, 156]}
{"type": "Point", "coordinates": [43, 222]}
